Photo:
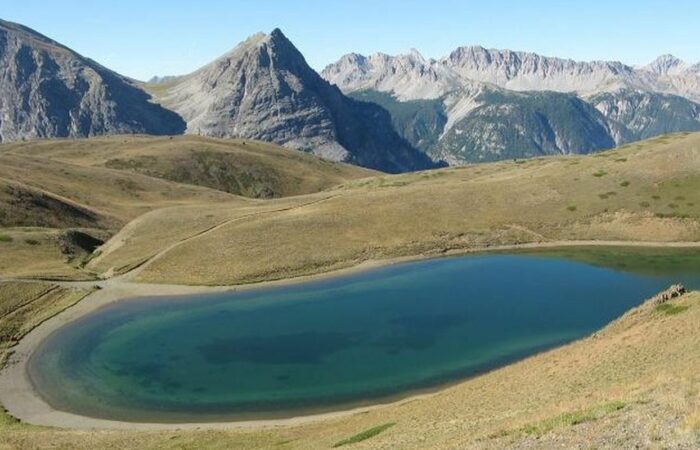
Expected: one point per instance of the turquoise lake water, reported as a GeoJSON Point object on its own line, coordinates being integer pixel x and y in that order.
{"type": "Point", "coordinates": [331, 344]}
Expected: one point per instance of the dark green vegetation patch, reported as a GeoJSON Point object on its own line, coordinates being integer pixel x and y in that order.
{"type": "Point", "coordinates": [359, 437]}
{"type": "Point", "coordinates": [670, 309]}
{"type": "Point", "coordinates": [639, 260]}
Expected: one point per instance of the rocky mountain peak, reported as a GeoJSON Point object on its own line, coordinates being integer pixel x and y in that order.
{"type": "Point", "coordinates": [264, 89]}
{"type": "Point", "coordinates": [48, 90]}
{"type": "Point", "coordinates": [666, 65]}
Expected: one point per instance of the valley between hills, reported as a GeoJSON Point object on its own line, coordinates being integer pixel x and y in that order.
{"type": "Point", "coordinates": [162, 211]}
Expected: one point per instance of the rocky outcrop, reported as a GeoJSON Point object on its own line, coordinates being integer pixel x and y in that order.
{"type": "Point", "coordinates": [47, 90]}
{"type": "Point", "coordinates": [674, 291]}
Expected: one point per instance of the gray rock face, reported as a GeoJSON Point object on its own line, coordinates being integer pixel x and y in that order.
{"type": "Point", "coordinates": [516, 71]}
{"type": "Point", "coordinates": [264, 89]}
{"type": "Point", "coordinates": [635, 115]}
{"type": "Point", "coordinates": [47, 90]}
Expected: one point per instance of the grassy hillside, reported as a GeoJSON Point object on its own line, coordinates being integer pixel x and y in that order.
{"type": "Point", "coordinates": [99, 185]}
{"type": "Point", "coordinates": [634, 384]}
{"type": "Point", "coordinates": [24, 306]}
{"type": "Point", "coordinates": [246, 168]}
{"type": "Point", "coordinates": [648, 191]}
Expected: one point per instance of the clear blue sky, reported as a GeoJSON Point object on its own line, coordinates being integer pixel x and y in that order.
{"type": "Point", "coordinates": [158, 37]}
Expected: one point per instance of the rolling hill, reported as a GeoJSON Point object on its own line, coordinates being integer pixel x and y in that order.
{"type": "Point", "coordinates": [642, 192]}
{"type": "Point", "coordinates": [98, 185]}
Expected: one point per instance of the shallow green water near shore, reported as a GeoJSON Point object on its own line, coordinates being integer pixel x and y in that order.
{"type": "Point", "coordinates": [332, 344]}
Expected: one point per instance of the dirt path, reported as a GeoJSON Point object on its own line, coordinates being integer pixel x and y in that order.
{"type": "Point", "coordinates": [131, 274]}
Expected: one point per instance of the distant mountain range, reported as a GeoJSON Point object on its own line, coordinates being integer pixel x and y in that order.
{"type": "Point", "coordinates": [483, 105]}
{"type": "Point", "coordinates": [392, 113]}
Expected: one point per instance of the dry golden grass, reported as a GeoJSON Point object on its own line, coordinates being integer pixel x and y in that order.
{"type": "Point", "coordinates": [634, 384]}
{"type": "Point", "coordinates": [241, 167]}
{"type": "Point", "coordinates": [135, 243]}
{"type": "Point", "coordinates": [31, 252]}
{"type": "Point", "coordinates": [25, 305]}
{"type": "Point", "coordinates": [429, 213]}
{"type": "Point", "coordinates": [104, 183]}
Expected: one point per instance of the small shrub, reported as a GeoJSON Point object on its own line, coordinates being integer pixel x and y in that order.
{"type": "Point", "coordinates": [31, 241]}
{"type": "Point", "coordinates": [571, 208]}
{"type": "Point", "coordinates": [364, 435]}
{"type": "Point", "coordinates": [621, 160]}
{"type": "Point", "coordinates": [656, 197]}
{"type": "Point", "coordinates": [5, 238]}
{"type": "Point", "coordinates": [672, 206]}
{"type": "Point", "coordinates": [625, 184]}
{"type": "Point", "coordinates": [645, 204]}
{"type": "Point", "coordinates": [680, 198]}
{"type": "Point", "coordinates": [600, 173]}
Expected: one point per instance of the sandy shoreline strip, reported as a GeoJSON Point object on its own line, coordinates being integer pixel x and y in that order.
{"type": "Point", "coordinates": [18, 396]}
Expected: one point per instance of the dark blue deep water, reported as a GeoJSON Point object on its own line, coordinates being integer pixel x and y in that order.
{"type": "Point", "coordinates": [328, 344]}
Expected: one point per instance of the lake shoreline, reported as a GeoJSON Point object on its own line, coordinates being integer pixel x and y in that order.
{"type": "Point", "coordinates": [20, 398]}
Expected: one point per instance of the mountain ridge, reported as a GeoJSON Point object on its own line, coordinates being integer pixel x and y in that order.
{"type": "Point", "coordinates": [505, 68]}
{"type": "Point", "coordinates": [529, 88]}
{"type": "Point", "coordinates": [47, 90]}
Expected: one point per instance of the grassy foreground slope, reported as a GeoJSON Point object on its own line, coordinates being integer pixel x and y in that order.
{"type": "Point", "coordinates": [632, 385]}
{"type": "Point", "coordinates": [648, 191]}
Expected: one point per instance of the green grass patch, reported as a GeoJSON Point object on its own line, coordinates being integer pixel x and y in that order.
{"type": "Point", "coordinates": [621, 160]}
{"type": "Point", "coordinates": [573, 418]}
{"type": "Point", "coordinates": [642, 261]}
{"type": "Point", "coordinates": [600, 173]}
{"type": "Point", "coordinates": [359, 437]}
{"type": "Point", "coordinates": [5, 238]}
{"type": "Point", "coordinates": [89, 258]}
{"type": "Point", "coordinates": [670, 309]}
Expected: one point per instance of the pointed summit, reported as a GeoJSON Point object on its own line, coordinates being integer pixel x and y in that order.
{"type": "Point", "coordinates": [277, 34]}
{"type": "Point", "coordinates": [666, 65]}
{"type": "Point", "coordinates": [264, 89]}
